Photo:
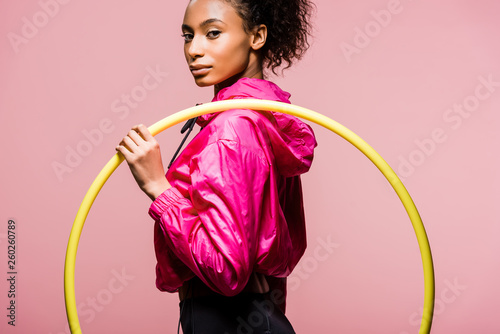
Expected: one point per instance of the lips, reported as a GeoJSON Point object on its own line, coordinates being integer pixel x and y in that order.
{"type": "Point", "coordinates": [199, 69]}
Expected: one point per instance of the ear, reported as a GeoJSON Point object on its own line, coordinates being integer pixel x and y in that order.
{"type": "Point", "coordinates": [258, 37]}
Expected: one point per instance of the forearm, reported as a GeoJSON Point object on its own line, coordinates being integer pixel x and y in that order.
{"type": "Point", "coordinates": [156, 188]}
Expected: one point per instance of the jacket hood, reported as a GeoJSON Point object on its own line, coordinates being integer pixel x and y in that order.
{"type": "Point", "coordinates": [292, 140]}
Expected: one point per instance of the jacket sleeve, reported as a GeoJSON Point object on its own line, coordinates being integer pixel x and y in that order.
{"type": "Point", "coordinates": [214, 231]}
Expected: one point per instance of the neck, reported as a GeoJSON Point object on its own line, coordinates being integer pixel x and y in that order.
{"type": "Point", "coordinates": [232, 80]}
{"type": "Point", "coordinates": [253, 70]}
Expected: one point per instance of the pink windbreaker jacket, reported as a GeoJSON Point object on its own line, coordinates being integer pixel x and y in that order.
{"type": "Point", "coordinates": [235, 206]}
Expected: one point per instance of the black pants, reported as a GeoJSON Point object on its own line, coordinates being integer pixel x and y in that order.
{"type": "Point", "coordinates": [251, 313]}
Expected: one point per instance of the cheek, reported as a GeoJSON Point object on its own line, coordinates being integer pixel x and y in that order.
{"type": "Point", "coordinates": [234, 53]}
{"type": "Point", "coordinates": [186, 55]}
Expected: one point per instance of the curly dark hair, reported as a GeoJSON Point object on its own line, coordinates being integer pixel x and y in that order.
{"type": "Point", "coordinates": [288, 27]}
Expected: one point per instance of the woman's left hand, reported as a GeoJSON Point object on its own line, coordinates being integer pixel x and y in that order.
{"type": "Point", "coordinates": [142, 153]}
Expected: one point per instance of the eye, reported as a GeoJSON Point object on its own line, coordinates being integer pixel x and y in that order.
{"type": "Point", "coordinates": [187, 37]}
{"type": "Point", "coordinates": [213, 34]}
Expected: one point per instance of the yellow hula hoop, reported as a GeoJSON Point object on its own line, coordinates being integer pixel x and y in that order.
{"type": "Point", "coordinates": [425, 251]}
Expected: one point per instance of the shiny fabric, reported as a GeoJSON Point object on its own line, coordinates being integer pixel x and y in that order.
{"type": "Point", "coordinates": [235, 206]}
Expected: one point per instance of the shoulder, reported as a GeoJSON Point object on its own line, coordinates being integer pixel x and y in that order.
{"type": "Point", "coordinates": [241, 125]}
{"type": "Point", "coordinates": [234, 135]}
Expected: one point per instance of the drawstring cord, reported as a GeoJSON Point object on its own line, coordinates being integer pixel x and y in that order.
{"type": "Point", "coordinates": [189, 125]}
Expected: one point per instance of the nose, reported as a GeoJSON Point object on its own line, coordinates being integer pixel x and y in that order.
{"type": "Point", "coordinates": [196, 48]}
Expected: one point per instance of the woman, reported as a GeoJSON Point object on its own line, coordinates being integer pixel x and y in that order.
{"type": "Point", "coordinates": [229, 220]}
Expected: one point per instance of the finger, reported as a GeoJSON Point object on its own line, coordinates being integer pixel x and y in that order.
{"type": "Point", "coordinates": [124, 151]}
{"type": "Point", "coordinates": [144, 131]}
{"type": "Point", "coordinates": [122, 143]}
{"type": "Point", "coordinates": [130, 144]}
{"type": "Point", "coordinates": [135, 137]}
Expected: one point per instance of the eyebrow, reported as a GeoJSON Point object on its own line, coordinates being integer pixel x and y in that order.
{"type": "Point", "coordinates": [203, 24]}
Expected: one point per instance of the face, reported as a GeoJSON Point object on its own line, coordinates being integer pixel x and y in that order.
{"type": "Point", "coordinates": [217, 48]}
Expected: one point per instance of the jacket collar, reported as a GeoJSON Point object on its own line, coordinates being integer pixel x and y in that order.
{"type": "Point", "coordinates": [247, 88]}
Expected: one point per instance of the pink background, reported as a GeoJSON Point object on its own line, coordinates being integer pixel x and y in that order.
{"type": "Point", "coordinates": [396, 88]}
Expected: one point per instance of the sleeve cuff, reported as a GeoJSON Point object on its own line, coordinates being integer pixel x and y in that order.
{"type": "Point", "coordinates": [163, 202]}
